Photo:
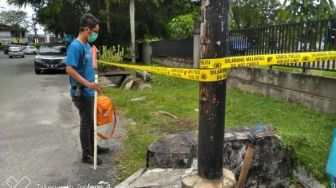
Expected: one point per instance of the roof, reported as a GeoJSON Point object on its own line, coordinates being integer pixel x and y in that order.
{"type": "Point", "coordinates": [4, 27]}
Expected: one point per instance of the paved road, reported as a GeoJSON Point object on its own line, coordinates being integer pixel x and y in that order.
{"type": "Point", "coordinates": [39, 134]}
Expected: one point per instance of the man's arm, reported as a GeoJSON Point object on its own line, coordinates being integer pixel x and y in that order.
{"type": "Point", "coordinates": [74, 74]}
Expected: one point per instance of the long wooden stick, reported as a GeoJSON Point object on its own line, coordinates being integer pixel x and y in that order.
{"type": "Point", "coordinates": [95, 127]}
{"type": "Point", "coordinates": [94, 51]}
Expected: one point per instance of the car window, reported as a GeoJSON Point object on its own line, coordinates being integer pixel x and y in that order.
{"type": "Point", "coordinates": [53, 49]}
{"type": "Point", "coordinates": [15, 48]}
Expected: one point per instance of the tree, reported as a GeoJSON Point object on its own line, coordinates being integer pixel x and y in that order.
{"type": "Point", "coordinates": [151, 18]}
{"type": "Point", "coordinates": [303, 10]}
{"type": "Point", "coordinates": [132, 25]}
{"type": "Point", "coordinates": [181, 27]}
{"type": "Point", "coordinates": [57, 16]}
{"type": "Point", "coordinates": [61, 16]}
{"type": "Point", "coordinates": [17, 20]}
{"type": "Point", "coordinates": [251, 13]}
{"type": "Point", "coordinates": [33, 26]}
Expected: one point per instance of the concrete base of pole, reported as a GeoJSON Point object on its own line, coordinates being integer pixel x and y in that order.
{"type": "Point", "coordinates": [195, 181]}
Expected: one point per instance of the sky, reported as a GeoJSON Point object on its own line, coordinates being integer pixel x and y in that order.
{"type": "Point", "coordinates": [5, 6]}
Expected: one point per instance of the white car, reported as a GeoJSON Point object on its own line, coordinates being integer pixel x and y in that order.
{"type": "Point", "coordinates": [30, 50]}
{"type": "Point", "coordinates": [15, 51]}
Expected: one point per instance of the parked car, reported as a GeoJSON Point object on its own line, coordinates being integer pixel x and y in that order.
{"type": "Point", "coordinates": [15, 51]}
{"type": "Point", "coordinates": [237, 45]}
{"type": "Point", "coordinates": [50, 56]}
{"type": "Point", "coordinates": [30, 50]}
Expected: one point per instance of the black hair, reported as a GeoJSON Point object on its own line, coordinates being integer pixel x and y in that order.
{"type": "Point", "coordinates": [88, 20]}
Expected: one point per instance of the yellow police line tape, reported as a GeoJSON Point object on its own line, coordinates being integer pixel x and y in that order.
{"type": "Point", "coordinates": [204, 75]}
{"type": "Point", "coordinates": [216, 69]}
{"type": "Point", "coordinates": [267, 59]}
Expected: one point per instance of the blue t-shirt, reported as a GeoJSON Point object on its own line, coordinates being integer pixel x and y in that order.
{"type": "Point", "coordinates": [82, 64]}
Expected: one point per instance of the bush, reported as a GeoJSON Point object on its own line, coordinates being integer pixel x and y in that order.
{"type": "Point", "coordinates": [113, 54]}
{"type": "Point", "coordinates": [181, 27]}
{"type": "Point", "coordinates": [37, 45]}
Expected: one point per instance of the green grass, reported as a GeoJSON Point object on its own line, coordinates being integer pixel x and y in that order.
{"type": "Point", "coordinates": [305, 131]}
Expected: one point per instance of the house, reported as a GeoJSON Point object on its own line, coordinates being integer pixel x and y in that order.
{"type": "Point", "coordinates": [10, 34]}
{"type": "Point", "coordinates": [42, 38]}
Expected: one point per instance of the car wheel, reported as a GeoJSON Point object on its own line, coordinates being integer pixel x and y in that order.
{"type": "Point", "coordinates": [10, 56]}
{"type": "Point", "coordinates": [37, 71]}
{"type": "Point", "coordinates": [23, 56]}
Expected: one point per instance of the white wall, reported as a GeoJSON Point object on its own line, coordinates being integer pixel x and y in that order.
{"type": "Point", "coordinates": [5, 34]}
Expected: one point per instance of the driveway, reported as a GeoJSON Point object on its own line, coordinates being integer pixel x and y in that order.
{"type": "Point", "coordinates": [39, 134]}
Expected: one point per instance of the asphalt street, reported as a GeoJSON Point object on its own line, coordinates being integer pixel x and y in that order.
{"type": "Point", "coordinates": [39, 134]}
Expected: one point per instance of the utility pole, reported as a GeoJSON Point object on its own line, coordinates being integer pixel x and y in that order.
{"type": "Point", "coordinates": [212, 95]}
{"type": "Point", "coordinates": [34, 27]}
{"type": "Point", "coordinates": [132, 20]}
{"type": "Point", "coordinates": [108, 20]}
{"type": "Point", "coordinates": [214, 38]}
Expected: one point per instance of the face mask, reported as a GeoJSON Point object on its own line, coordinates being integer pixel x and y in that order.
{"type": "Point", "coordinates": [93, 37]}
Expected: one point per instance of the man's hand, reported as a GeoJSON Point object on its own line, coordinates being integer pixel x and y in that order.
{"type": "Point", "coordinates": [93, 86]}
{"type": "Point", "coordinates": [74, 74]}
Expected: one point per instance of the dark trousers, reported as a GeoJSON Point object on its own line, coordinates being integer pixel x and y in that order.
{"type": "Point", "coordinates": [85, 107]}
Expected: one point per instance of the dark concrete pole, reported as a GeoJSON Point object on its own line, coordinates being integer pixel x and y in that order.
{"type": "Point", "coordinates": [214, 43]}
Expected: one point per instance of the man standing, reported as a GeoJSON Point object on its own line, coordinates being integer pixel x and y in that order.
{"type": "Point", "coordinates": [83, 86]}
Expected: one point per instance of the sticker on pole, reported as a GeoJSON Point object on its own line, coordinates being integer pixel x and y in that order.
{"type": "Point", "coordinates": [94, 52]}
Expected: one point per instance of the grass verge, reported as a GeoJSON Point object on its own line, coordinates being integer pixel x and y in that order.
{"type": "Point", "coordinates": [305, 131]}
